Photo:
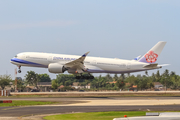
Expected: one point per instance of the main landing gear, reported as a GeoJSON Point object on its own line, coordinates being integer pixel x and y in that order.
{"type": "Point", "coordinates": [19, 71]}
{"type": "Point", "coordinates": [84, 77]}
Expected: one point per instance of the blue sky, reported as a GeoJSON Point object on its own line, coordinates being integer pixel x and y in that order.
{"type": "Point", "coordinates": [116, 29]}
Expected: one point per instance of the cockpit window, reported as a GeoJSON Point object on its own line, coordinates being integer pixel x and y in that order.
{"type": "Point", "coordinates": [15, 56]}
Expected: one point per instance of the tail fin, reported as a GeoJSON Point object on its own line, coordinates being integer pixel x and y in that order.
{"type": "Point", "coordinates": [152, 55]}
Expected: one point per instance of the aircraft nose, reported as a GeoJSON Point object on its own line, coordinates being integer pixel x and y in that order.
{"type": "Point", "coordinates": [12, 59]}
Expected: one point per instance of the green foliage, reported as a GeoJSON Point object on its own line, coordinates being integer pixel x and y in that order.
{"type": "Point", "coordinates": [66, 88]}
{"type": "Point", "coordinates": [115, 77]}
{"type": "Point", "coordinates": [158, 76]}
{"type": "Point", "coordinates": [142, 82]}
{"type": "Point", "coordinates": [55, 84]}
{"type": "Point", "coordinates": [168, 79]}
{"type": "Point", "coordinates": [109, 78]}
{"type": "Point", "coordinates": [64, 79]}
{"type": "Point", "coordinates": [44, 78]}
{"type": "Point", "coordinates": [165, 79]}
{"type": "Point", "coordinates": [132, 80]}
{"type": "Point", "coordinates": [120, 84]}
{"type": "Point", "coordinates": [32, 78]}
{"type": "Point", "coordinates": [101, 83]}
{"type": "Point", "coordinates": [5, 80]}
{"type": "Point", "coordinates": [20, 85]}
{"type": "Point", "coordinates": [24, 103]}
{"type": "Point", "coordinates": [95, 115]}
{"type": "Point", "coordinates": [175, 79]}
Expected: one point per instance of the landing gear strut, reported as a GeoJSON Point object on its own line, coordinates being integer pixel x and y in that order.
{"type": "Point", "coordinates": [19, 71]}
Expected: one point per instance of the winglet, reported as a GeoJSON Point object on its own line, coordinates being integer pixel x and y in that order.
{"type": "Point", "coordinates": [85, 54]}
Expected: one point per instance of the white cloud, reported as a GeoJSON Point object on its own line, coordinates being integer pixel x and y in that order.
{"type": "Point", "coordinates": [36, 24]}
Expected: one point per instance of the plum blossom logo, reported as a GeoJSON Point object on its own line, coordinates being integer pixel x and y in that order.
{"type": "Point", "coordinates": [151, 57]}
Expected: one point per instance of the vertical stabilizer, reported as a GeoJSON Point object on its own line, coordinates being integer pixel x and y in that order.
{"type": "Point", "coordinates": [152, 55]}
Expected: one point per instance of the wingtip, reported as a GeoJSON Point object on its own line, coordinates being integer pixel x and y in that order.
{"type": "Point", "coordinates": [85, 54]}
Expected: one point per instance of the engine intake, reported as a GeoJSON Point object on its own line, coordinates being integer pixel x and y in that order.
{"type": "Point", "coordinates": [56, 68]}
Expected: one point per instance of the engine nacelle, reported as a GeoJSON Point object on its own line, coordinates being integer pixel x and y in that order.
{"type": "Point", "coordinates": [56, 68]}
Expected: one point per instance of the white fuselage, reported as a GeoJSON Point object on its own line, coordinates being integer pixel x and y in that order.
{"type": "Point", "coordinates": [92, 64]}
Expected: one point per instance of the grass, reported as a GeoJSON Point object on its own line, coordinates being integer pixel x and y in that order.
{"type": "Point", "coordinates": [98, 96]}
{"type": "Point", "coordinates": [95, 115]}
{"type": "Point", "coordinates": [24, 103]}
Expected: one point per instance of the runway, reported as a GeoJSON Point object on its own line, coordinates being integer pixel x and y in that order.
{"type": "Point", "coordinates": [71, 105]}
{"type": "Point", "coordinates": [36, 110]}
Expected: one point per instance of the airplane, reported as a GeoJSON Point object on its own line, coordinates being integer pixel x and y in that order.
{"type": "Point", "coordinates": [59, 63]}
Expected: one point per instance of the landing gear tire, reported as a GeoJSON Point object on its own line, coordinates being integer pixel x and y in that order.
{"type": "Point", "coordinates": [19, 71]}
{"type": "Point", "coordinates": [19, 67]}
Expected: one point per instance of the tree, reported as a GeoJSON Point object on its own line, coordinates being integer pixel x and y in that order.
{"type": "Point", "coordinates": [4, 81]}
{"type": "Point", "coordinates": [158, 76]}
{"type": "Point", "coordinates": [132, 80]}
{"type": "Point", "coordinates": [32, 78]}
{"type": "Point", "coordinates": [109, 78]}
{"type": "Point", "coordinates": [62, 78]}
{"type": "Point", "coordinates": [175, 82]}
{"type": "Point", "coordinates": [66, 88]}
{"type": "Point", "coordinates": [68, 83]}
{"type": "Point", "coordinates": [122, 77]}
{"type": "Point", "coordinates": [153, 77]}
{"type": "Point", "coordinates": [55, 84]}
{"type": "Point", "coordinates": [83, 84]}
{"type": "Point", "coordinates": [165, 79]}
{"type": "Point", "coordinates": [120, 83]}
{"type": "Point", "coordinates": [44, 78]}
{"type": "Point", "coordinates": [172, 73]}
{"type": "Point", "coordinates": [146, 72]}
{"type": "Point", "coordinates": [20, 85]}
{"type": "Point", "coordinates": [115, 77]}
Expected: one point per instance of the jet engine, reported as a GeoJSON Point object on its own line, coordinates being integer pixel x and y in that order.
{"type": "Point", "coordinates": [56, 68]}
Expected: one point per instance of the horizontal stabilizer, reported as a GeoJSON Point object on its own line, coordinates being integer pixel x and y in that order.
{"type": "Point", "coordinates": [151, 66]}
{"type": "Point", "coordinates": [163, 65]}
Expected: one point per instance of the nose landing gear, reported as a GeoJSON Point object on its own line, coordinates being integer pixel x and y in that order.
{"type": "Point", "coordinates": [19, 71]}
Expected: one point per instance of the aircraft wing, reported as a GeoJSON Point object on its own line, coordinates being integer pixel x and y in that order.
{"type": "Point", "coordinates": [164, 65]}
{"type": "Point", "coordinates": [77, 64]}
